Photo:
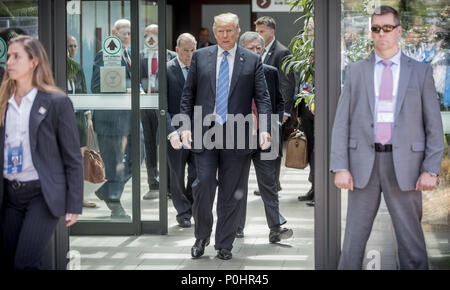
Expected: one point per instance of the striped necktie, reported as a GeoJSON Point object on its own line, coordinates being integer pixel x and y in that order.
{"type": "Point", "coordinates": [222, 90]}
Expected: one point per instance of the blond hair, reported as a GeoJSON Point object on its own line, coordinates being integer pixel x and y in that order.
{"type": "Point", "coordinates": [226, 19]}
{"type": "Point", "coordinates": [42, 75]}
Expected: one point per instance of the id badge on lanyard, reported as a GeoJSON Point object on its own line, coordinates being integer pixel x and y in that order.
{"type": "Point", "coordinates": [15, 159]}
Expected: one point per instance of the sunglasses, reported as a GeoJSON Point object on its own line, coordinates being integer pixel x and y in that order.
{"type": "Point", "coordinates": [386, 28]}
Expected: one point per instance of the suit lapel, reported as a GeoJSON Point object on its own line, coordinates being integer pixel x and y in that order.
{"type": "Point", "coordinates": [238, 64]}
{"type": "Point", "coordinates": [405, 72]}
{"type": "Point", "coordinates": [270, 53]}
{"type": "Point", "coordinates": [39, 111]}
{"type": "Point", "coordinates": [179, 73]}
{"type": "Point", "coordinates": [212, 59]}
{"type": "Point", "coordinates": [368, 76]}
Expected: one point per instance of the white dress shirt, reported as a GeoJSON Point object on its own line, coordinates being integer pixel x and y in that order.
{"type": "Point", "coordinates": [378, 73]}
{"type": "Point", "coordinates": [16, 133]}
{"type": "Point", "coordinates": [183, 67]}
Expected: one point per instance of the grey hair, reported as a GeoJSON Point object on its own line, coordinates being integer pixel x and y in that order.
{"type": "Point", "coordinates": [250, 36]}
{"type": "Point", "coordinates": [186, 36]}
{"type": "Point", "coordinates": [121, 23]}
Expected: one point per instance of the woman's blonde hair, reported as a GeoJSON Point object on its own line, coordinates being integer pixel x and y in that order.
{"type": "Point", "coordinates": [42, 76]}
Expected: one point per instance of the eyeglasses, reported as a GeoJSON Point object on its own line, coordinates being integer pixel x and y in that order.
{"type": "Point", "coordinates": [386, 28]}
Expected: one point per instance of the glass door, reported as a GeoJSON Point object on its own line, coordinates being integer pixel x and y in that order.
{"type": "Point", "coordinates": [117, 109]}
{"type": "Point", "coordinates": [425, 38]}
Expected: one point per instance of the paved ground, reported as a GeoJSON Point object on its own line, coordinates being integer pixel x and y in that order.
{"type": "Point", "coordinates": [172, 251]}
{"type": "Point", "coordinates": [254, 252]}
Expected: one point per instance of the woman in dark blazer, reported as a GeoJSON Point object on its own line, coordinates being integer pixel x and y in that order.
{"type": "Point", "coordinates": [42, 176]}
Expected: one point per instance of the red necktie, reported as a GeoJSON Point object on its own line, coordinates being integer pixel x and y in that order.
{"type": "Point", "coordinates": [154, 65]}
{"type": "Point", "coordinates": [154, 70]}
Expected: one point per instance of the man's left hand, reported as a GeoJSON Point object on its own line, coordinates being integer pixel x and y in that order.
{"type": "Point", "coordinates": [264, 140]}
{"type": "Point", "coordinates": [426, 182]}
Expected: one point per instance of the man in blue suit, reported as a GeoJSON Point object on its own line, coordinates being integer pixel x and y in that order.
{"type": "Point", "coordinates": [223, 80]}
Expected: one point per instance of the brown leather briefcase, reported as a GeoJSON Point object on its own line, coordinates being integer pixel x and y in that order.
{"type": "Point", "coordinates": [94, 169]}
{"type": "Point", "coordinates": [296, 150]}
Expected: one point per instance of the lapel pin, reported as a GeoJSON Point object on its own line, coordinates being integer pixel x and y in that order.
{"type": "Point", "coordinates": [241, 59]}
{"type": "Point", "coordinates": [42, 110]}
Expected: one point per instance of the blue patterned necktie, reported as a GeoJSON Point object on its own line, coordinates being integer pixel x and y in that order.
{"type": "Point", "coordinates": [222, 90]}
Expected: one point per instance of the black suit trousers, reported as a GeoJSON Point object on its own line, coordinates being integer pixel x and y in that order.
{"type": "Point", "coordinates": [27, 227]}
{"type": "Point", "coordinates": [149, 119]}
{"type": "Point", "coordinates": [229, 171]}
{"type": "Point", "coordinates": [181, 194]}
{"type": "Point", "coordinates": [265, 176]}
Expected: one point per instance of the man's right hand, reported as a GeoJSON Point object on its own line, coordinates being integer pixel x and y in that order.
{"type": "Point", "coordinates": [344, 180]}
{"type": "Point", "coordinates": [186, 139]}
{"type": "Point", "coordinates": [175, 142]}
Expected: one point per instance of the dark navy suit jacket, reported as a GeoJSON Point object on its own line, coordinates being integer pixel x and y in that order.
{"type": "Point", "coordinates": [55, 151]}
{"type": "Point", "coordinates": [247, 83]}
{"type": "Point", "coordinates": [175, 83]}
{"type": "Point", "coordinates": [276, 97]}
{"type": "Point", "coordinates": [287, 82]}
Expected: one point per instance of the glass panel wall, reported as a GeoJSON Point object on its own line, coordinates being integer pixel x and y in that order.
{"type": "Point", "coordinates": [425, 38]}
{"type": "Point", "coordinates": [149, 113]}
{"type": "Point", "coordinates": [99, 84]}
{"type": "Point", "coordinates": [16, 17]}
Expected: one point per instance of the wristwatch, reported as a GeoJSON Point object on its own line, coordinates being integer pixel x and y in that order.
{"type": "Point", "coordinates": [433, 174]}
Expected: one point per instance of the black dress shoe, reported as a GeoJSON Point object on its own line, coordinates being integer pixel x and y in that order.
{"type": "Point", "coordinates": [185, 223]}
{"type": "Point", "coordinates": [257, 192]}
{"type": "Point", "coordinates": [280, 234]}
{"type": "Point", "coordinates": [240, 233]}
{"type": "Point", "coordinates": [308, 196]}
{"type": "Point", "coordinates": [198, 249]}
{"type": "Point", "coordinates": [224, 254]}
{"type": "Point", "coordinates": [311, 203]}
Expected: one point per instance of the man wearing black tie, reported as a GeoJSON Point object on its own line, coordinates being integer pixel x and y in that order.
{"type": "Point", "coordinates": [177, 70]}
{"type": "Point", "coordinates": [223, 80]}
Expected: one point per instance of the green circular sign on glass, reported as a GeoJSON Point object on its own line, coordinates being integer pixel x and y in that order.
{"type": "Point", "coordinates": [2, 47]}
{"type": "Point", "coordinates": [112, 45]}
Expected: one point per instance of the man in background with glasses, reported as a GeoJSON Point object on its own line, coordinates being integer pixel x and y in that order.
{"type": "Point", "coordinates": [387, 137]}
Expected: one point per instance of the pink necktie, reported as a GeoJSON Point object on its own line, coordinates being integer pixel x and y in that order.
{"type": "Point", "coordinates": [384, 129]}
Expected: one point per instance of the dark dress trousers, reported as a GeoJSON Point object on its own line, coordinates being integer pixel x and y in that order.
{"type": "Point", "coordinates": [29, 214]}
{"type": "Point", "coordinates": [265, 169]}
{"type": "Point", "coordinates": [149, 119]}
{"type": "Point", "coordinates": [307, 120]}
{"type": "Point", "coordinates": [181, 194]}
{"type": "Point", "coordinates": [111, 126]}
{"type": "Point", "coordinates": [231, 166]}
{"type": "Point", "coordinates": [287, 84]}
